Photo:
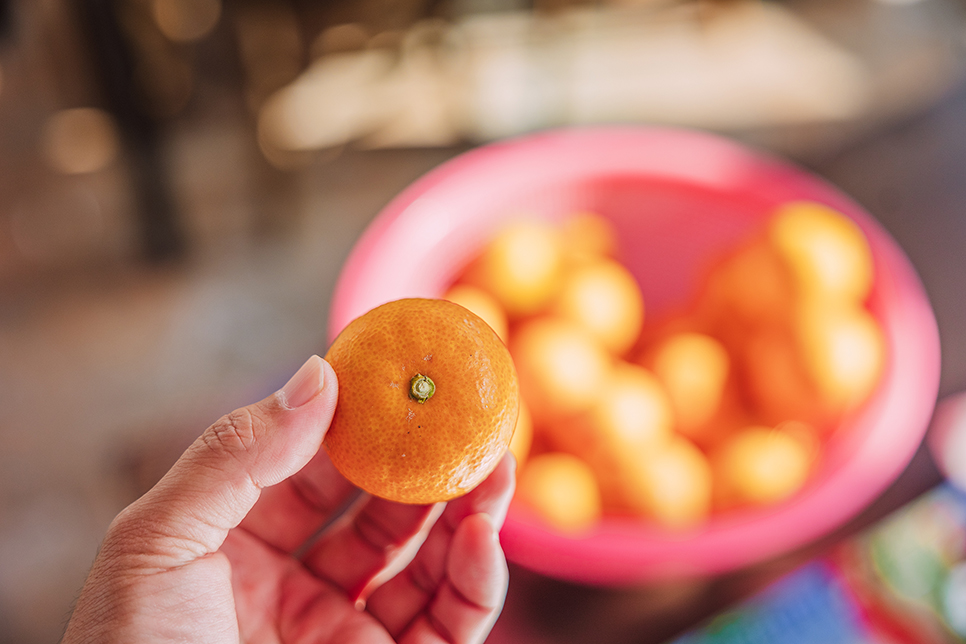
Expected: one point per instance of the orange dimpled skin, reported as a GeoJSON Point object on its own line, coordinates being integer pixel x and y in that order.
{"type": "Point", "coordinates": [396, 447]}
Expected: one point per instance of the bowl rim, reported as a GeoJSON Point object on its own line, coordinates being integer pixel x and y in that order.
{"type": "Point", "coordinates": [622, 551]}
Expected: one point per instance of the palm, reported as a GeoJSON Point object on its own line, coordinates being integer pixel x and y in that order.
{"type": "Point", "coordinates": [283, 600]}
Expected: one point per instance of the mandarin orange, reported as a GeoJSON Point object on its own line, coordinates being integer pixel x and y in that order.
{"type": "Point", "coordinates": [561, 367]}
{"type": "Point", "coordinates": [482, 303]}
{"type": "Point", "coordinates": [521, 267]}
{"type": "Point", "coordinates": [604, 299]}
{"type": "Point", "coordinates": [562, 490]}
{"type": "Point", "coordinates": [760, 465]}
{"type": "Point", "coordinates": [428, 400]}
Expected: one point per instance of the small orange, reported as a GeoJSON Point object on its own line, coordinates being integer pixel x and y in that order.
{"type": "Point", "coordinates": [843, 351]}
{"type": "Point", "coordinates": [428, 400]}
{"type": "Point", "coordinates": [694, 368]}
{"type": "Point", "coordinates": [482, 303]}
{"type": "Point", "coordinates": [521, 267]}
{"type": "Point", "coordinates": [762, 465]}
{"type": "Point", "coordinates": [561, 367]}
{"type": "Point", "coordinates": [751, 287]}
{"type": "Point", "coordinates": [588, 236]}
{"type": "Point", "coordinates": [776, 381]}
{"type": "Point", "coordinates": [631, 415]}
{"type": "Point", "coordinates": [604, 298]}
{"type": "Point", "coordinates": [671, 484]}
{"type": "Point", "coordinates": [562, 490]}
{"type": "Point", "coordinates": [826, 251]}
{"type": "Point", "coordinates": [630, 412]}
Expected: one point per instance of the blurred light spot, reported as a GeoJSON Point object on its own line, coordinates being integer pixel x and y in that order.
{"type": "Point", "coordinates": [900, 2]}
{"type": "Point", "coordinates": [386, 40]}
{"type": "Point", "coordinates": [186, 20]}
{"type": "Point", "coordinates": [338, 99]}
{"type": "Point", "coordinates": [80, 140]}
{"type": "Point", "coordinates": [348, 37]}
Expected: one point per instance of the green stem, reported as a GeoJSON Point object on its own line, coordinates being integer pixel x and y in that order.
{"type": "Point", "coordinates": [421, 388]}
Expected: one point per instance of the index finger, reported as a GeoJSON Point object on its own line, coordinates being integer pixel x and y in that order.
{"type": "Point", "coordinates": [287, 515]}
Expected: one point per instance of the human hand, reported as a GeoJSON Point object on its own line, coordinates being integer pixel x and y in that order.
{"type": "Point", "coordinates": [209, 553]}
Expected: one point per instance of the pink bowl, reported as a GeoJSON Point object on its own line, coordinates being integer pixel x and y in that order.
{"type": "Point", "coordinates": [677, 198]}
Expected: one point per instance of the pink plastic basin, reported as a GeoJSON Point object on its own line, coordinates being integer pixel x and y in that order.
{"type": "Point", "coordinates": [677, 199]}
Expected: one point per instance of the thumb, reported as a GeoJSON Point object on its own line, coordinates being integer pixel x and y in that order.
{"type": "Point", "coordinates": [216, 482]}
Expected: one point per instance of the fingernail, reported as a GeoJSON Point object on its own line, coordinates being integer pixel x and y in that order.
{"type": "Point", "coordinates": [304, 385]}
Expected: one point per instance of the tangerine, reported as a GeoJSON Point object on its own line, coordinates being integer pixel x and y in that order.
{"type": "Point", "coordinates": [604, 298]}
{"type": "Point", "coordinates": [482, 303]}
{"type": "Point", "coordinates": [588, 236]}
{"type": "Point", "coordinates": [762, 465]}
{"type": "Point", "coordinates": [693, 367]}
{"type": "Point", "coordinates": [521, 267]}
{"type": "Point", "coordinates": [428, 400]}
{"type": "Point", "coordinates": [825, 250]}
{"type": "Point", "coordinates": [561, 367]}
{"type": "Point", "coordinates": [562, 490]}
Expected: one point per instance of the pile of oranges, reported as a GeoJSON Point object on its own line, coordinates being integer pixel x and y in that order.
{"type": "Point", "coordinates": [726, 403]}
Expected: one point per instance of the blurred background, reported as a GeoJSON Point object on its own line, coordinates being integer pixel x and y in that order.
{"type": "Point", "coordinates": [181, 180]}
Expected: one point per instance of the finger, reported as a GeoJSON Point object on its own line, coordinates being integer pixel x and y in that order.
{"type": "Point", "coordinates": [216, 482]}
{"type": "Point", "coordinates": [471, 595]}
{"type": "Point", "coordinates": [355, 551]}
{"type": "Point", "coordinates": [290, 513]}
{"type": "Point", "coordinates": [398, 602]}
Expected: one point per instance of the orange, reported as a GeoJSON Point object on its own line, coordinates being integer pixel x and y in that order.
{"type": "Point", "coordinates": [588, 236]}
{"type": "Point", "coordinates": [482, 303]}
{"type": "Point", "coordinates": [843, 351]}
{"type": "Point", "coordinates": [428, 400]}
{"type": "Point", "coordinates": [561, 489]}
{"type": "Point", "coordinates": [750, 288]}
{"type": "Point", "coordinates": [561, 367]}
{"type": "Point", "coordinates": [825, 250]}
{"type": "Point", "coordinates": [694, 368]}
{"type": "Point", "coordinates": [631, 412]}
{"type": "Point", "coordinates": [631, 415]}
{"type": "Point", "coordinates": [762, 465]}
{"type": "Point", "coordinates": [670, 484]}
{"type": "Point", "coordinates": [521, 267]}
{"type": "Point", "coordinates": [777, 383]}
{"type": "Point", "coordinates": [605, 299]}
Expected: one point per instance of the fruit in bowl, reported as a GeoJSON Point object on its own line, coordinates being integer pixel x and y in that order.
{"type": "Point", "coordinates": [693, 219]}
{"type": "Point", "coordinates": [781, 322]}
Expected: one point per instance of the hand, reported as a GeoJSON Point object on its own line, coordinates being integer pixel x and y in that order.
{"type": "Point", "coordinates": [209, 554]}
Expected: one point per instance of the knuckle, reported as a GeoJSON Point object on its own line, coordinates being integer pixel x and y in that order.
{"type": "Point", "coordinates": [235, 433]}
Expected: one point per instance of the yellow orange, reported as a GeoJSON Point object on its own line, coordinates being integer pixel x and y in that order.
{"type": "Point", "coordinates": [630, 415]}
{"type": "Point", "coordinates": [777, 383]}
{"type": "Point", "coordinates": [605, 299]}
{"type": "Point", "coordinates": [588, 236]}
{"type": "Point", "coordinates": [561, 367]}
{"type": "Point", "coordinates": [670, 485]}
{"type": "Point", "coordinates": [825, 250]}
{"type": "Point", "coordinates": [750, 288]}
{"type": "Point", "coordinates": [843, 350]}
{"type": "Point", "coordinates": [521, 267]}
{"type": "Point", "coordinates": [482, 303]}
{"type": "Point", "coordinates": [562, 490]}
{"type": "Point", "coordinates": [694, 368]}
{"type": "Point", "coordinates": [761, 465]}
{"type": "Point", "coordinates": [428, 400]}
